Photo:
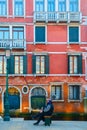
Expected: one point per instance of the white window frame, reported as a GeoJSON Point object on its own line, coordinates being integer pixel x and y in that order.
{"type": "Point", "coordinates": [79, 34]}
{"type": "Point", "coordinates": [62, 89]}
{"type": "Point", "coordinates": [80, 94]}
{"type": "Point", "coordinates": [5, 10]}
{"type": "Point", "coordinates": [14, 9]}
{"type": "Point", "coordinates": [45, 34]}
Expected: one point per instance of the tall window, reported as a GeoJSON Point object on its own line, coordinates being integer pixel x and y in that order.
{"type": "Point", "coordinates": [74, 92]}
{"type": "Point", "coordinates": [2, 65]}
{"type": "Point", "coordinates": [40, 64]}
{"type": "Point", "coordinates": [56, 92]}
{"type": "Point", "coordinates": [74, 5]}
{"type": "Point", "coordinates": [62, 5]}
{"type": "Point", "coordinates": [4, 33]}
{"type": "Point", "coordinates": [51, 5]}
{"type": "Point", "coordinates": [3, 8]}
{"type": "Point", "coordinates": [18, 33]}
{"type": "Point", "coordinates": [39, 5]}
{"type": "Point", "coordinates": [74, 64]}
{"type": "Point", "coordinates": [39, 34]}
{"type": "Point", "coordinates": [73, 34]}
{"type": "Point", "coordinates": [18, 64]}
{"type": "Point", "coordinates": [19, 7]}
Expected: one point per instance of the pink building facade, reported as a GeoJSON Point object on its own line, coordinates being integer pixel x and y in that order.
{"type": "Point", "coordinates": [48, 59]}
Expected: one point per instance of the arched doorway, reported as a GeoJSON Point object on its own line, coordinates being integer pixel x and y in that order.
{"type": "Point", "coordinates": [38, 98]}
{"type": "Point", "coordinates": [14, 98]}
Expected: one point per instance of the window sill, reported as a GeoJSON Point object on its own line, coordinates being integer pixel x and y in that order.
{"type": "Point", "coordinates": [73, 42]}
{"type": "Point", "coordinates": [56, 100]}
{"type": "Point", "coordinates": [39, 42]}
{"type": "Point", "coordinates": [3, 16]}
{"type": "Point", "coordinates": [74, 100]}
{"type": "Point", "coordinates": [18, 16]}
{"type": "Point", "coordinates": [74, 74]}
{"type": "Point", "coordinates": [40, 75]}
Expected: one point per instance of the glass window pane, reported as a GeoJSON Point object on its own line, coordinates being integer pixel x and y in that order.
{"type": "Point", "coordinates": [16, 65]}
{"type": "Point", "coordinates": [19, 10]}
{"type": "Point", "coordinates": [1, 64]}
{"type": "Point", "coordinates": [75, 65]}
{"type": "Point", "coordinates": [42, 65]}
{"type": "Point", "coordinates": [21, 35]}
{"type": "Point", "coordinates": [37, 64]}
{"type": "Point", "coordinates": [74, 5]}
{"type": "Point", "coordinates": [21, 64]}
{"type": "Point", "coordinates": [39, 5]}
{"type": "Point", "coordinates": [51, 5]}
{"type": "Point", "coordinates": [3, 9]}
{"type": "Point", "coordinates": [62, 5]}
{"type": "Point", "coordinates": [1, 35]}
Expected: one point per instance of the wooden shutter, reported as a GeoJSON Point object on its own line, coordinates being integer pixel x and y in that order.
{"type": "Point", "coordinates": [68, 64]}
{"type": "Point", "coordinates": [73, 34]}
{"type": "Point", "coordinates": [80, 64]}
{"type": "Point", "coordinates": [34, 64]}
{"type": "Point", "coordinates": [40, 34]}
{"type": "Point", "coordinates": [25, 64]}
{"type": "Point", "coordinates": [46, 64]}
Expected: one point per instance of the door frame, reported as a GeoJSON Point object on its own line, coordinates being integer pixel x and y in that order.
{"type": "Point", "coordinates": [30, 109]}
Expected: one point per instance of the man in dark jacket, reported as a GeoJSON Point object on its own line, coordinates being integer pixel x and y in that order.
{"type": "Point", "coordinates": [47, 111]}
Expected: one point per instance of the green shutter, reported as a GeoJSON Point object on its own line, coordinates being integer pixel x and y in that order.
{"type": "Point", "coordinates": [80, 64]}
{"type": "Point", "coordinates": [11, 65]}
{"type": "Point", "coordinates": [46, 64]}
{"type": "Point", "coordinates": [73, 34]}
{"type": "Point", "coordinates": [39, 34]}
{"type": "Point", "coordinates": [68, 64]}
{"type": "Point", "coordinates": [25, 64]}
{"type": "Point", "coordinates": [34, 64]}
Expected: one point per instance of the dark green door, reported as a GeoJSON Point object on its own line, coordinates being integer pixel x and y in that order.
{"type": "Point", "coordinates": [37, 102]}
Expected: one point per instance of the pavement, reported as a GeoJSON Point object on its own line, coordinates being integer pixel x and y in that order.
{"type": "Point", "coordinates": [20, 124]}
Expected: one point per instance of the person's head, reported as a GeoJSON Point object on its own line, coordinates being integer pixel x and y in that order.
{"type": "Point", "coordinates": [49, 101]}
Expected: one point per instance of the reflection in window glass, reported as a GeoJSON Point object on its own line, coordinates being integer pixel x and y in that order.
{"type": "Point", "coordinates": [3, 9]}
{"type": "Point", "coordinates": [2, 65]}
{"type": "Point", "coordinates": [19, 8]}
{"type": "Point", "coordinates": [19, 64]}
{"type": "Point", "coordinates": [40, 64]}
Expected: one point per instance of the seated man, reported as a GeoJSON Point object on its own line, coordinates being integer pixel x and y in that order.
{"type": "Point", "coordinates": [47, 111]}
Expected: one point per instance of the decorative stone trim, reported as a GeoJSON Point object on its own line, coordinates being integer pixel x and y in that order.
{"type": "Point", "coordinates": [25, 89]}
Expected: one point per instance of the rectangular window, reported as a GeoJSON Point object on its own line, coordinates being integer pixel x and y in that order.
{"type": "Point", "coordinates": [73, 34]}
{"type": "Point", "coordinates": [19, 7]}
{"type": "Point", "coordinates": [56, 92]}
{"type": "Point", "coordinates": [3, 8]}
{"type": "Point", "coordinates": [2, 65]}
{"type": "Point", "coordinates": [62, 6]}
{"type": "Point", "coordinates": [18, 33]}
{"type": "Point", "coordinates": [40, 64]}
{"type": "Point", "coordinates": [4, 33]}
{"type": "Point", "coordinates": [39, 5]}
{"type": "Point", "coordinates": [74, 5]}
{"type": "Point", "coordinates": [18, 64]}
{"type": "Point", "coordinates": [39, 34]}
{"type": "Point", "coordinates": [74, 92]}
{"type": "Point", "coordinates": [51, 5]}
{"type": "Point", "coordinates": [74, 64]}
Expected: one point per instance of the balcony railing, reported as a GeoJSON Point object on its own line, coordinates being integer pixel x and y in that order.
{"type": "Point", "coordinates": [15, 44]}
{"type": "Point", "coordinates": [57, 17]}
{"type": "Point", "coordinates": [74, 17]}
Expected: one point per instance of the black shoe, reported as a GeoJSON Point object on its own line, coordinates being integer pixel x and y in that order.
{"type": "Point", "coordinates": [36, 123]}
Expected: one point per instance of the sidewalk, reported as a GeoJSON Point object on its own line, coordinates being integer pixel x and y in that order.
{"type": "Point", "coordinates": [20, 124]}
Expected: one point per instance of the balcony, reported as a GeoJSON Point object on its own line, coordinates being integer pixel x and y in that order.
{"type": "Point", "coordinates": [58, 17]}
{"type": "Point", "coordinates": [74, 17]}
{"type": "Point", "coordinates": [14, 44]}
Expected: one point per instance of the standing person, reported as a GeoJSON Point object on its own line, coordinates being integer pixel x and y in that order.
{"type": "Point", "coordinates": [47, 111]}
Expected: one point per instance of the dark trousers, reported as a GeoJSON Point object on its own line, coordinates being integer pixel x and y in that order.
{"type": "Point", "coordinates": [40, 117]}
